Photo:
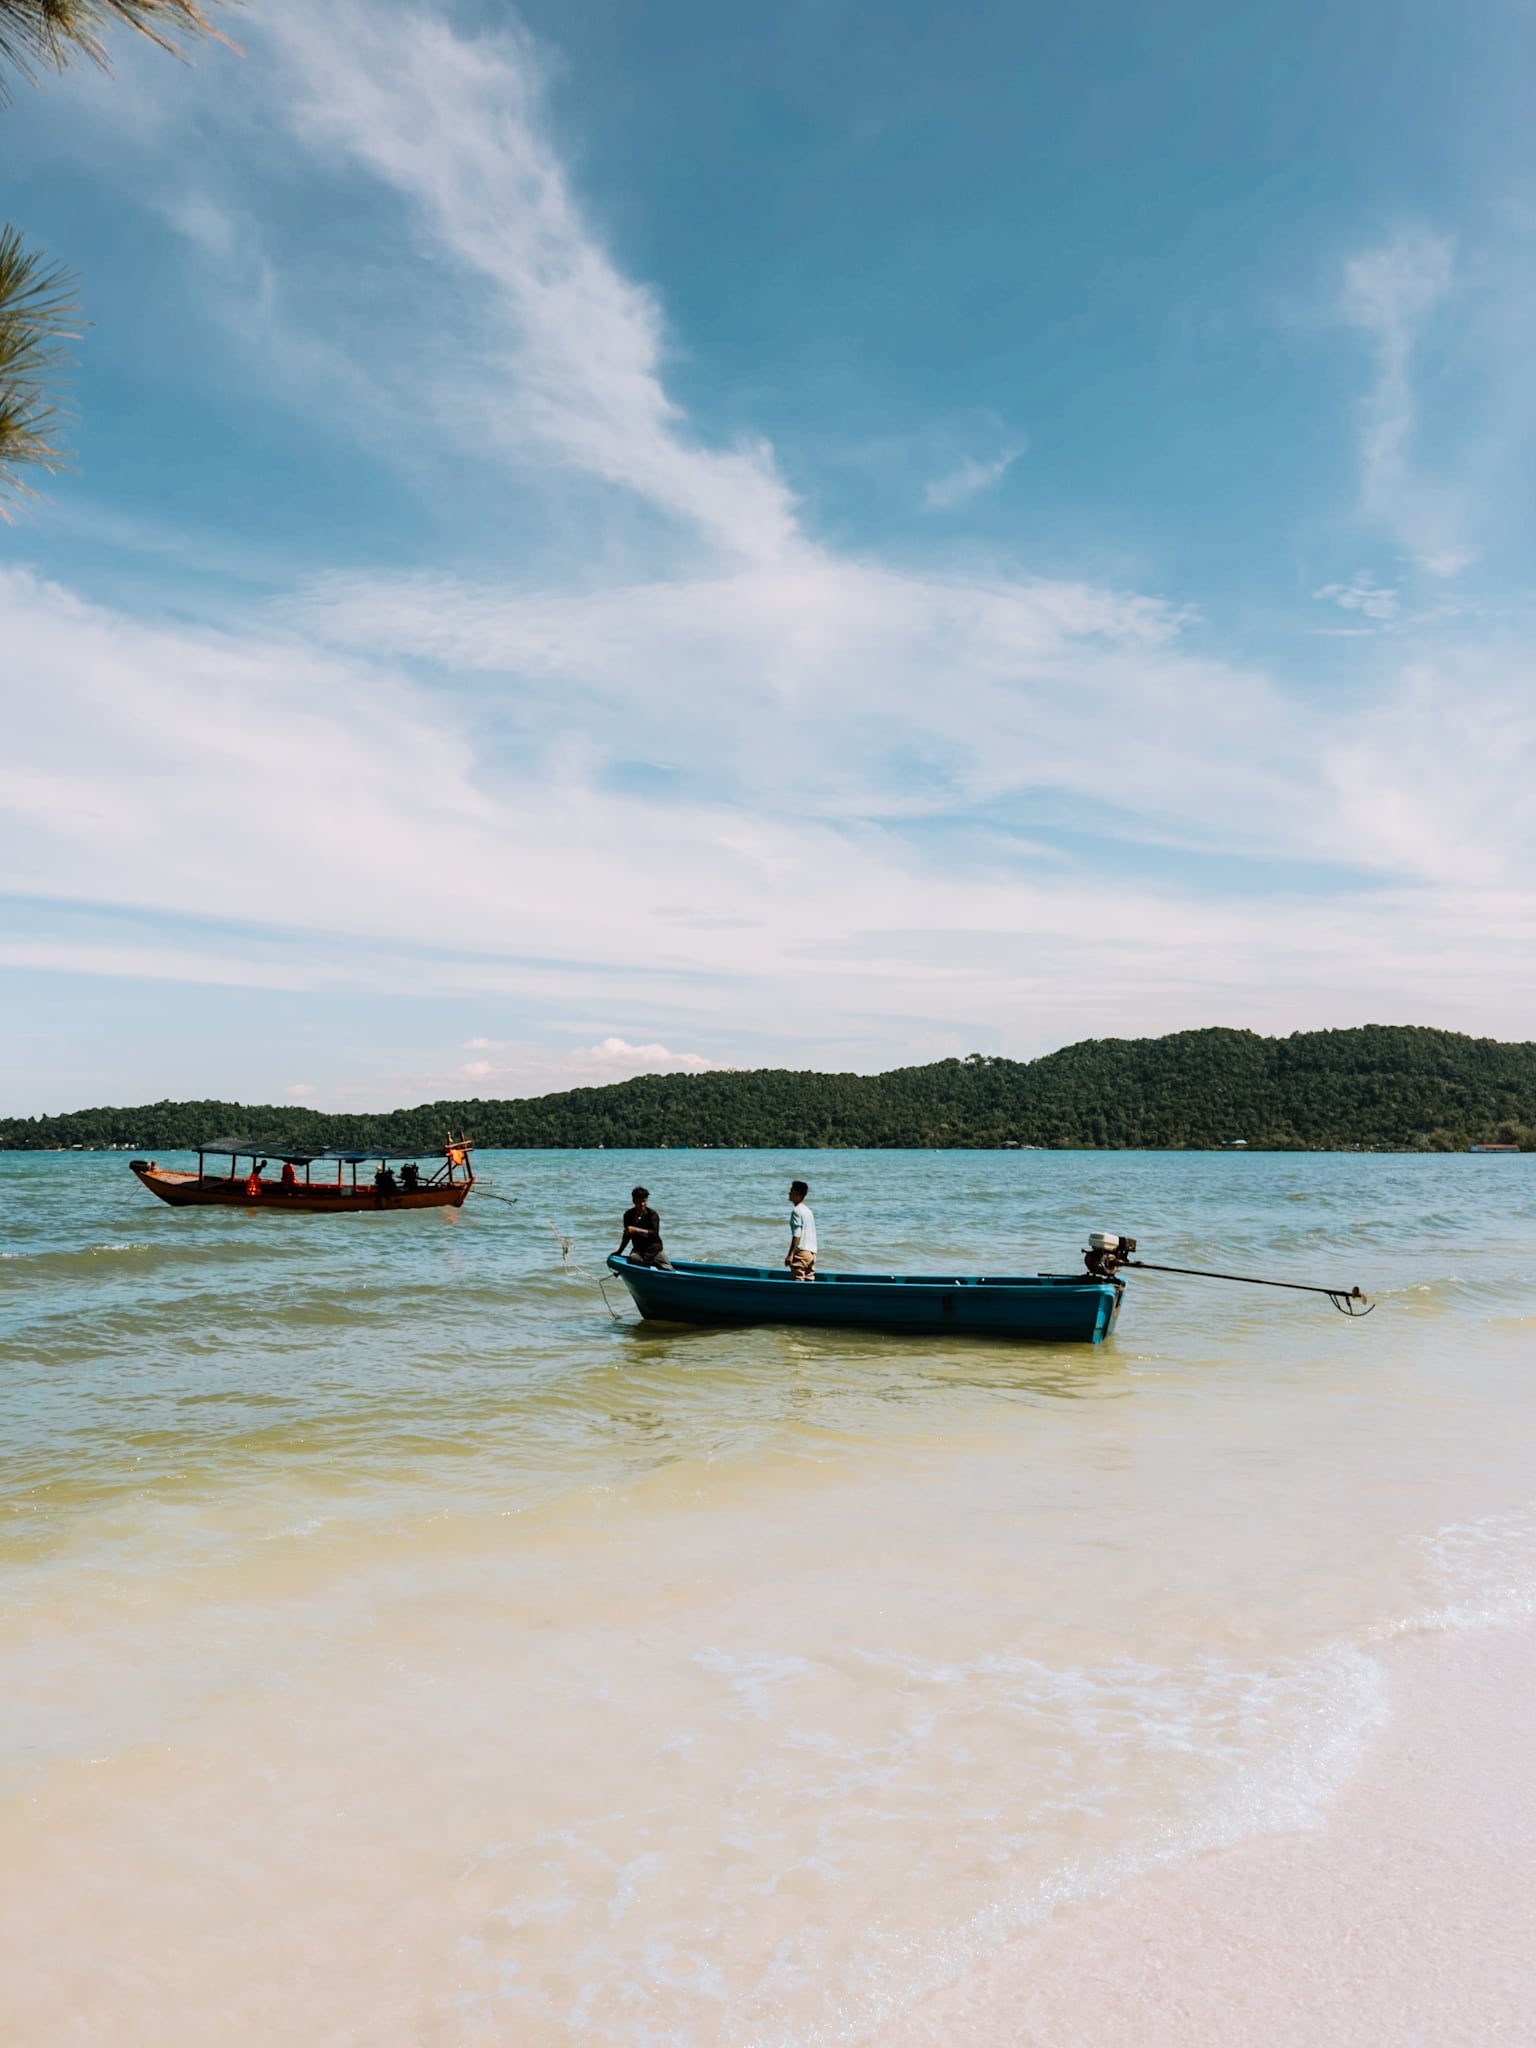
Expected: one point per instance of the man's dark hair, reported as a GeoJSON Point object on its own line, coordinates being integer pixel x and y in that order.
{"type": "Point", "coordinates": [798, 1188]}
{"type": "Point", "coordinates": [639, 1194]}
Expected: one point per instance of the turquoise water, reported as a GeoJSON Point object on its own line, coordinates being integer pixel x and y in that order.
{"type": "Point", "coordinates": [527, 1674]}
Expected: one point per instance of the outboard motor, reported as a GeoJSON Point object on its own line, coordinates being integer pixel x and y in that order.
{"type": "Point", "coordinates": [1107, 1253]}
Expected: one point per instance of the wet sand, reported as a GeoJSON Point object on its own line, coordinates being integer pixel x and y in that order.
{"type": "Point", "coordinates": [1407, 1916]}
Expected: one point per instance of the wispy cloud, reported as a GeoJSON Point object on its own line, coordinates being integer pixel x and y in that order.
{"type": "Point", "coordinates": [762, 784]}
{"type": "Point", "coordinates": [970, 478]}
{"type": "Point", "coordinates": [1390, 293]}
{"type": "Point", "coordinates": [1363, 594]}
{"type": "Point", "coordinates": [1438, 776]}
{"type": "Point", "coordinates": [457, 133]}
{"type": "Point", "coordinates": [524, 1068]}
{"type": "Point", "coordinates": [613, 1053]}
{"type": "Point", "coordinates": [328, 797]}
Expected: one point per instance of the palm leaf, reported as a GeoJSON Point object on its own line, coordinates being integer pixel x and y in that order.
{"type": "Point", "coordinates": [38, 315]}
{"type": "Point", "coordinates": [49, 34]}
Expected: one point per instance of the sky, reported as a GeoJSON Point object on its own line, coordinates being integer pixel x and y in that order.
{"type": "Point", "coordinates": [615, 537]}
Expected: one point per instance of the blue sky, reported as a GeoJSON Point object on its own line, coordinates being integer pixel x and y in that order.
{"type": "Point", "coordinates": [609, 538]}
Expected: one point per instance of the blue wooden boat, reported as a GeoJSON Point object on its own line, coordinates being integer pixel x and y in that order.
{"type": "Point", "coordinates": [1060, 1308]}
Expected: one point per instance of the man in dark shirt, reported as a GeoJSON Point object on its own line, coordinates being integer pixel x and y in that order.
{"type": "Point", "coordinates": [642, 1232]}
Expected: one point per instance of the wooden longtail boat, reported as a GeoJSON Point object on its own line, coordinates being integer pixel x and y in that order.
{"type": "Point", "coordinates": [1062, 1308]}
{"type": "Point", "coordinates": [296, 1187]}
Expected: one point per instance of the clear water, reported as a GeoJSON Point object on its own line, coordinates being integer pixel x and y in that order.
{"type": "Point", "coordinates": [397, 1648]}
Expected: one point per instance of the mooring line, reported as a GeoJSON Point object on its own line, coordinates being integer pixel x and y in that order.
{"type": "Point", "coordinates": [572, 1266]}
{"type": "Point", "coordinates": [565, 1243]}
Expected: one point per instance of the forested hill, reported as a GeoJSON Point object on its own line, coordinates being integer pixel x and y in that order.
{"type": "Point", "coordinates": [1398, 1087]}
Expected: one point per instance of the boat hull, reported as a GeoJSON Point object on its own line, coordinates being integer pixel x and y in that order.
{"type": "Point", "coordinates": [185, 1190]}
{"type": "Point", "coordinates": [1058, 1308]}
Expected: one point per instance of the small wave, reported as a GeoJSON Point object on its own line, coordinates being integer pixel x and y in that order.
{"type": "Point", "coordinates": [1254, 1750]}
{"type": "Point", "coordinates": [752, 1678]}
{"type": "Point", "coordinates": [1457, 1293]}
{"type": "Point", "coordinates": [1338, 1701]}
{"type": "Point", "coordinates": [1487, 1570]}
{"type": "Point", "coordinates": [297, 1530]}
{"type": "Point", "coordinates": [79, 1258]}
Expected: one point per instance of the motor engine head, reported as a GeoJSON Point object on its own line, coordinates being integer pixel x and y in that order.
{"type": "Point", "coordinates": [1107, 1252]}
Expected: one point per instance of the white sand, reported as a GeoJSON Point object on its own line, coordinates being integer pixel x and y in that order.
{"type": "Point", "coordinates": [1409, 1916]}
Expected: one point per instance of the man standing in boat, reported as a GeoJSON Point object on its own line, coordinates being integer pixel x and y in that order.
{"type": "Point", "coordinates": [801, 1256]}
{"type": "Point", "coordinates": [642, 1232]}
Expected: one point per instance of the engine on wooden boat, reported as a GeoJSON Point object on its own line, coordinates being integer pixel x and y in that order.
{"type": "Point", "coordinates": [1107, 1253]}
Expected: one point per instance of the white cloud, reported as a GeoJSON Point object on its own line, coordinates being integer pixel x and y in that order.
{"type": "Point", "coordinates": [834, 670]}
{"type": "Point", "coordinates": [1390, 293]}
{"type": "Point", "coordinates": [615, 1053]}
{"type": "Point", "coordinates": [526, 1069]}
{"type": "Point", "coordinates": [456, 132]}
{"type": "Point", "coordinates": [766, 788]}
{"type": "Point", "coordinates": [330, 799]}
{"type": "Point", "coordinates": [776, 637]}
{"type": "Point", "coordinates": [1439, 777]}
{"type": "Point", "coordinates": [968, 479]}
{"type": "Point", "coordinates": [1364, 595]}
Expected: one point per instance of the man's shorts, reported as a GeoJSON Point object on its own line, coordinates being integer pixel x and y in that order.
{"type": "Point", "coordinates": [802, 1265]}
{"type": "Point", "coordinates": [655, 1258]}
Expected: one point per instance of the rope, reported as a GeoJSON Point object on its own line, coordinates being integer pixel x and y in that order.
{"type": "Point", "coordinates": [571, 1266]}
{"type": "Point", "coordinates": [565, 1244]}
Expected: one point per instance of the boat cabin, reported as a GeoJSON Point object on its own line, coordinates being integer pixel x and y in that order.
{"type": "Point", "coordinates": [315, 1180]}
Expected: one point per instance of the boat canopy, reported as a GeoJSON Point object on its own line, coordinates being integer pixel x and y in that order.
{"type": "Point", "coordinates": [242, 1148]}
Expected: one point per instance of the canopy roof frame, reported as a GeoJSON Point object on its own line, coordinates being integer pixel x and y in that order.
{"type": "Point", "coordinates": [242, 1148]}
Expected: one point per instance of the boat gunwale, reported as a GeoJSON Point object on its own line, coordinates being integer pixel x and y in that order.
{"type": "Point", "coordinates": [181, 1190]}
{"type": "Point", "coordinates": [1052, 1308]}
{"type": "Point", "coordinates": [686, 1269]}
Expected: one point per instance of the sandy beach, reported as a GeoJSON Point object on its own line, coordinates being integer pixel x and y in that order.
{"type": "Point", "coordinates": [398, 1651]}
{"type": "Point", "coordinates": [1406, 1916]}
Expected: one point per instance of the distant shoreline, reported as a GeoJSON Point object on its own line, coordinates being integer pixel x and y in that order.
{"type": "Point", "coordinates": [1205, 1151]}
{"type": "Point", "coordinates": [1373, 1088]}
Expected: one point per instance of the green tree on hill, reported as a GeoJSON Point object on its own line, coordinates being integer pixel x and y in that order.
{"type": "Point", "coordinates": [1380, 1087]}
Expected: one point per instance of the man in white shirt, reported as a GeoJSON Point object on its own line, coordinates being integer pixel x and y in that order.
{"type": "Point", "coordinates": [801, 1256]}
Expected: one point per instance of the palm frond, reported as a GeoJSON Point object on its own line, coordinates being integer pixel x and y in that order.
{"type": "Point", "coordinates": [38, 316]}
{"type": "Point", "coordinates": [49, 34]}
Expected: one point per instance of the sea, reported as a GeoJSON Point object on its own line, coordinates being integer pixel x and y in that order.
{"type": "Point", "coordinates": [401, 1645]}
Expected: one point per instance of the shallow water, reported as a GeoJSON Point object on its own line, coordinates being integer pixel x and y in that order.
{"type": "Point", "coordinates": [395, 1648]}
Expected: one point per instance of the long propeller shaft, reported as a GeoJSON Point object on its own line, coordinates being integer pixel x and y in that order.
{"type": "Point", "coordinates": [1343, 1298]}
